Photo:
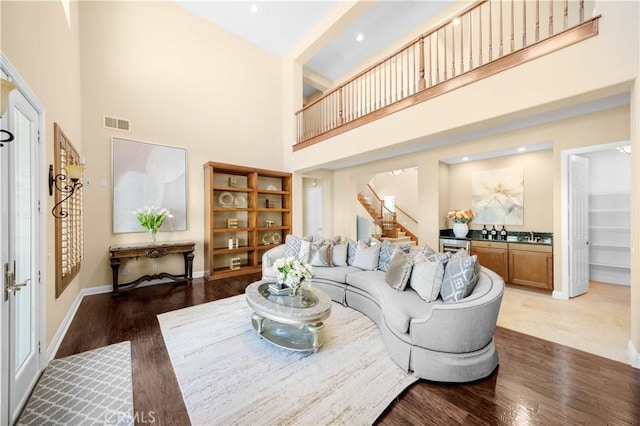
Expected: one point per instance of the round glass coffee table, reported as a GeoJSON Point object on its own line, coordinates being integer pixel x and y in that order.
{"type": "Point", "coordinates": [290, 322]}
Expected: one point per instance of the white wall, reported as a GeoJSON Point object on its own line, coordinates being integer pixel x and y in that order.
{"type": "Point", "coordinates": [44, 47]}
{"type": "Point", "coordinates": [182, 82]}
{"type": "Point", "coordinates": [609, 171]}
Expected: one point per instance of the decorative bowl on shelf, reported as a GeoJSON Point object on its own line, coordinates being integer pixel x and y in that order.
{"type": "Point", "coordinates": [275, 238]}
{"type": "Point", "coordinates": [225, 199]}
{"type": "Point", "coordinates": [240, 201]}
{"type": "Point", "coordinates": [266, 238]}
{"type": "Point", "coordinates": [272, 188]}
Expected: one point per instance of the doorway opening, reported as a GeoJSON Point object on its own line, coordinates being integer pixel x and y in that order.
{"type": "Point", "coordinates": [608, 221]}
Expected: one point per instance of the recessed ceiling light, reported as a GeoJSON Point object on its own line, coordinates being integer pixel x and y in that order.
{"type": "Point", "coordinates": [522, 149]}
{"type": "Point", "coordinates": [465, 158]}
{"type": "Point", "coordinates": [456, 22]}
{"type": "Point", "coordinates": [254, 8]}
{"type": "Point", "coordinates": [359, 37]}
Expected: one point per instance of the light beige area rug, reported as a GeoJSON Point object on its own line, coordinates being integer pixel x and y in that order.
{"type": "Point", "coordinates": [228, 374]}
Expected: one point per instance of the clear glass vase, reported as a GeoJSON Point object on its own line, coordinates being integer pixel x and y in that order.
{"type": "Point", "coordinates": [154, 235]}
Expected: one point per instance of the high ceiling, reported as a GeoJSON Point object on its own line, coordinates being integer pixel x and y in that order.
{"type": "Point", "coordinates": [277, 26]}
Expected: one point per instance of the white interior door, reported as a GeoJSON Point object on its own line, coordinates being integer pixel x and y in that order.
{"type": "Point", "coordinates": [578, 225]}
{"type": "Point", "coordinates": [21, 234]}
{"type": "Point", "coordinates": [314, 220]}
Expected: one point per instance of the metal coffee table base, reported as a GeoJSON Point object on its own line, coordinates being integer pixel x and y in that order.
{"type": "Point", "coordinates": [295, 337]}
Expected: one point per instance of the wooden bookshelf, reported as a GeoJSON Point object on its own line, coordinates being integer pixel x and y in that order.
{"type": "Point", "coordinates": [259, 201]}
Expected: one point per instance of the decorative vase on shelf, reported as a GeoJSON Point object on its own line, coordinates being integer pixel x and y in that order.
{"type": "Point", "coordinates": [154, 235]}
{"type": "Point", "coordinates": [460, 230]}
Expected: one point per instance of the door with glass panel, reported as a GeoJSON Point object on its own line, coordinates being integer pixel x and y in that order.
{"type": "Point", "coordinates": [21, 236]}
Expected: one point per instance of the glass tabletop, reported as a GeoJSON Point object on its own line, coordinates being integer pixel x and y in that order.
{"type": "Point", "coordinates": [306, 299]}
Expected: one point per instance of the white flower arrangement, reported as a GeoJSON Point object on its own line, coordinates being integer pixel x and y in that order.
{"type": "Point", "coordinates": [292, 272]}
{"type": "Point", "coordinates": [151, 218]}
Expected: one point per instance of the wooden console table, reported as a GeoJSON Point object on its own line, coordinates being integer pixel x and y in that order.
{"type": "Point", "coordinates": [153, 251]}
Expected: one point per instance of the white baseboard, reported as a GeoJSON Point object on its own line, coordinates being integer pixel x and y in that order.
{"type": "Point", "coordinates": [89, 291]}
{"type": "Point", "coordinates": [559, 295]}
{"type": "Point", "coordinates": [634, 356]}
{"type": "Point", "coordinates": [64, 326]}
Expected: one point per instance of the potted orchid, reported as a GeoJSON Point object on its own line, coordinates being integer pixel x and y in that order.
{"type": "Point", "coordinates": [461, 219]}
{"type": "Point", "coordinates": [151, 218]}
{"type": "Point", "coordinates": [292, 272]}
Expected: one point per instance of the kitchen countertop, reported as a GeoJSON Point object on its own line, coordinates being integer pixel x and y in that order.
{"type": "Point", "coordinates": [546, 238]}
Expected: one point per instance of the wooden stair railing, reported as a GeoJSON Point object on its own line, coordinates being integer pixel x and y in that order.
{"type": "Point", "coordinates": [486, 38]}
{"type": "Point", "coordinates": [382, 216]}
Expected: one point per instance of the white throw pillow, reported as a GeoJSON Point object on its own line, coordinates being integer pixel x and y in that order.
{"type": "Point", "coordinates": [366, 257]}
{"type": "Point", "coordinates": [305, 251]}
{"type": "Point", "coordinates": [426, 276]}
{"type": "Point", "coordinates": [340, 254]}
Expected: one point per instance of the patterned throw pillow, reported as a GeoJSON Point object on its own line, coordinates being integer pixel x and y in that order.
{"type": "Point", "coordinates": [438, 256]}
{"type": "Point", "coordinates": [460, 278]}
{"type": "Point", "coordinates": [351, 251]}
{"type": "Point", "coordinates": [399, 269]}
{"type": "Point", "coordinates": [292, 244]}
{"type": "Point", "coordinates": [427, 275]}
{"type": "Point", "coordinates": [386, 251]}
{"type": "Point", "coordinates": [366, 256]}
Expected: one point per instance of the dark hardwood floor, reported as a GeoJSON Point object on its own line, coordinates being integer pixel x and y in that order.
{"type": "Point", "coordinates": [537, 382]}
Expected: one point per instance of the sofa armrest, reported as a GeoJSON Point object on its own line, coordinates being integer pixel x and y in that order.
{"type": "Point", "coordinates": [268, 259]}
{"type": "Point", "coordinates": [464, 326]}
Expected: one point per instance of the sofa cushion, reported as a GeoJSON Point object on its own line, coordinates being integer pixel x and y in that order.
{"type": "Point", "coordinates": [384, 258]}
{"type": "Point", "coordinates": [335, 273]}
{"type": "Point", "coordinates": [399, 269]}
{"type": "Point", "coordinates": [460, 278]}
{"type": "Point", "coordinates": [399, 307]}
{"type": "Point", "coordinates": [426, 276]}
{"type": "Point", "coordinates": [339, 256]}
{"type": "Point", "coordinates": [366, 256]}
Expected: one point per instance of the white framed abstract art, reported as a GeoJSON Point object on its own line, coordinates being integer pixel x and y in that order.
{"type": "Point", "coordinates": [144, 175]}
{"type": "Point", "coordinates": [497, 196]}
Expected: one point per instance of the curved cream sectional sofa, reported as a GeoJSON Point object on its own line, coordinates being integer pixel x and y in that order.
{"type": "Point", "coordinates": [443, 342]}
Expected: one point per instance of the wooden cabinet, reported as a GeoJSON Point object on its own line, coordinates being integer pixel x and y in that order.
{"type": "Point", "coordinates": [492, 255]}
{"type": "Point", "coordinates": [531, 265]}
{"type": "Point", "coordinates": [247, 211]}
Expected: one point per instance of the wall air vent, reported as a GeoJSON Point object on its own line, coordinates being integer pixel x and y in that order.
{"type": "Point", "coordinates": [117, 123]}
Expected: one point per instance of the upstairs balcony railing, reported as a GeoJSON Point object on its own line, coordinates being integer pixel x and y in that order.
{"type": "Point", "coordinates": [488, 37]}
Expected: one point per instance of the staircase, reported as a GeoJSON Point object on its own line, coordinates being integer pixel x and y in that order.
{"type": "Point", "coordinates": [392, 230]}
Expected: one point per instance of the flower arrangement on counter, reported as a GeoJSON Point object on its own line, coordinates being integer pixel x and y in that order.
{"type": "Point", "coordinates": [461, 216]}
{"type": "Point", "coordinates": [292, 272]}
{"type": "Point", "coordinates": [151, 218]}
